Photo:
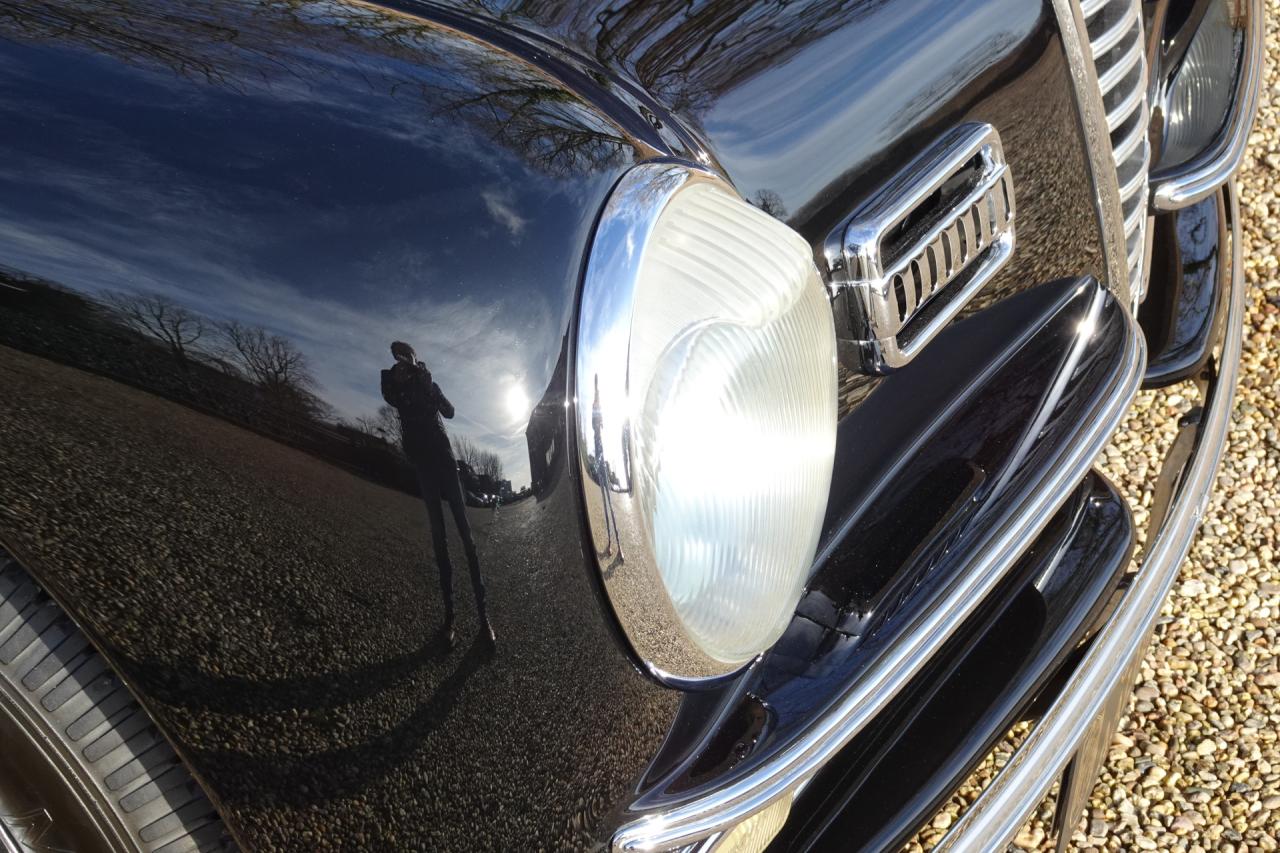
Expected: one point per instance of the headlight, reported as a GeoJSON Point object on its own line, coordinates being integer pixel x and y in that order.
{"type": "Point", "coordinates": [1201, 91]}
{"type": "Point", "coordinates": [706, 417]}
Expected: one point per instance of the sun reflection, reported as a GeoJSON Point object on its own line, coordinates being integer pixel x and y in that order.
{"type": "Point", "coordinates": [517, 402]}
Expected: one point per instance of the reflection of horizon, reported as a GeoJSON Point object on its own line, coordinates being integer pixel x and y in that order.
{"type": "Point", "coordinates": [244, 374]}
{"type": "Point", "coordinates": [344, 413]}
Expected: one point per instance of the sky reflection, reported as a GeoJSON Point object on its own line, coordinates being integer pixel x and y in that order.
{"type": "Point", "coordinates": [340, 205]}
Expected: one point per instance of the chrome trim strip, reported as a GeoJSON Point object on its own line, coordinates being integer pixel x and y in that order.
{"type": "Point", "coordinates": [1137, 252]}
{"type": "Point", "coordinates": [1121, 69]}
{"type": "Point", "coordinates": [998, 813]}
{"type": "Point", "coordinates": [1097, 137]}
{"type": "Point", "coordinates": [8, 844]}
{"type": "Point", "coordinates": [1132, 222]}
{"type": "Point", "coordinates": [1121, 112]}
{"type": "Point", "coordinates": [1134, 185]}
{"type": "Point", "coordinates": [1192, 182]}
{"type": "Point", "coordinates": [693, 821]}
{"type": "Point", "coordinates": [1130, 144]}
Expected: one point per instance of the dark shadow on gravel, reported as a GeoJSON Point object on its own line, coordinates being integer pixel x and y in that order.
{"type": "Point", "coordinates": [344, 772]}
{"type": "Point", "coordinates": [190, 687]}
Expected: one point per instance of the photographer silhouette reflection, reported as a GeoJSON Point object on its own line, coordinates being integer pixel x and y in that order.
{"type": "Point", "coordinates": [408, 387]}
{"type": "Point", "coordinates": [604, 475]}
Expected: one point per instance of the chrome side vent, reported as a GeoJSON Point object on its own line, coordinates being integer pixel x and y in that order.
{"type": "Point", "coordinates": [905, 263]}
{"type": "Point", "coordinates": [1118, 46]}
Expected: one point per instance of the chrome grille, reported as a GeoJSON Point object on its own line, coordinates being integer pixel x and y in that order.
{"type": "Point", "coordinates": [908, 262]}
{"type": "Point", "coordinates": [1118, 46]}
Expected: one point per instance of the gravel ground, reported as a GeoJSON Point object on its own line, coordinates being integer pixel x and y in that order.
{"type": "Point", "coordinates": [1195, 764]}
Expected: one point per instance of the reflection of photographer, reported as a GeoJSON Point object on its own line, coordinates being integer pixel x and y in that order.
{"type": "Point", "coordinates": [407, 385]}
{"type": "Point", "coordinates": [605, 477]}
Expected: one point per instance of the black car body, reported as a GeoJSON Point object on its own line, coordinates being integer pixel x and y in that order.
{"type": "Point", "coordinates": [214, 219]}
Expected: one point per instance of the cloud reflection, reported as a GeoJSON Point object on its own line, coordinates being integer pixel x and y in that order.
{"type": "Point", "coordinates": [440, 200]}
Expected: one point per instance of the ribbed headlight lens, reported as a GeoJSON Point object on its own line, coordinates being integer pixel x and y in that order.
{"type": "Point", "coordinates": [706, 407]}
{"type": "Point", "coordinates": [733, 353]}
{"type": "Point", "coordinates": [1200, 93]}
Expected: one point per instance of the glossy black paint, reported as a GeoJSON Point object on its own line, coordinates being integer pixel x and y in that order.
{"type": "Point", "coordinates": [996, 400]}
{"type": "Point", "coordinates": [908, 763]}
{"type": "Point", "coordinates": [249, 553]}
{"type": "Point", "coordinates": [244, 541]}
{"type": "Point", "coordinates": [808, 118]}
{"type": "Point", "coordinates": [1185, 298]}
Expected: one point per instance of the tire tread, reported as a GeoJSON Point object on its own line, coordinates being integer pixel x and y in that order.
{"type": "Point", "coordinates": [47, 661]}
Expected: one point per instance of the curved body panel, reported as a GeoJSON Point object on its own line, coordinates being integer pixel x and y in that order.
{"type": "Point", "coordinates": [286, 192]}
{"type": "Point", "coordinates": [214, 222]}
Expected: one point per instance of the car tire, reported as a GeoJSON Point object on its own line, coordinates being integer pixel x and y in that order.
{"type": "Point", "coordinates": [83, 766]}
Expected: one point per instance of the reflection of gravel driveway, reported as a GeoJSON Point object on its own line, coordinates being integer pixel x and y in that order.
{"type": "Point", "coordinates": [1196, 763]}
{"type": "Point", "coordinates": [278, 611]}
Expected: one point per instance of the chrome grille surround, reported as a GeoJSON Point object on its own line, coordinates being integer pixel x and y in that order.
{"type": "Point", "coordinates": [911, 259]}
{"type": "Point", "coordinates": [1117, 44]}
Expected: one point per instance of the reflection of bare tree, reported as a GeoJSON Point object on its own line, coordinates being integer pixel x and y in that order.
{"type": "Point", "coordinates": [244, 45]}
{"type": "Point", "coordinates": [483, 463]}
{"type": "Point", "coordinates": [552, 127]}
{"type": "Point", "coordinates": [273, 363]}
{"type": "Point", "coordinates": [118, 27]}
{"type": "Point", "coordinates": [771, 203]}
{"type": "Point", "coordinates": [270, 360]}
{"type": "Point", "coordinates": [173, 325]}
{"type": "Point", "coordinates": [687, 54]}
{"type": "Point", "coordinates": [384, 423]}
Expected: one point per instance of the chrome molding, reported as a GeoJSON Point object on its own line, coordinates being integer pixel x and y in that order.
{"type": "Point", "coordinates": [1191, 182]}
{"type": "Point", "coordinates": [8, 843]}
{"type": "Point", "coordinates": [891, 301]}
{"type": "Point", "coordinates": [628, 566]}
{"type": "Point", "coordinates": [1097, 137]}
{"type": "Point", "coordinates": [698, 819]}
{"type": "Point", "coordinates": [998, 813]}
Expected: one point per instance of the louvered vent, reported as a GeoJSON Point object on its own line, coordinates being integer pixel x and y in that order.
{"type": "Point", "coordinates": [1119, 55]}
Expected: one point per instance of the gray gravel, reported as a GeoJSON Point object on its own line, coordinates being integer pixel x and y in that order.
{"type": "Point", "coordinates": [1195, 764]}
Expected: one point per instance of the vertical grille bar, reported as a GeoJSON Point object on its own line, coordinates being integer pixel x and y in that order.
{"type": "Point", "coordinates": [1117, 44]}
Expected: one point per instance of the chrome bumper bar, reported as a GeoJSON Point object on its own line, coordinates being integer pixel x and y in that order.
{"type": "Point", "coordinates": [1064, 730]}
